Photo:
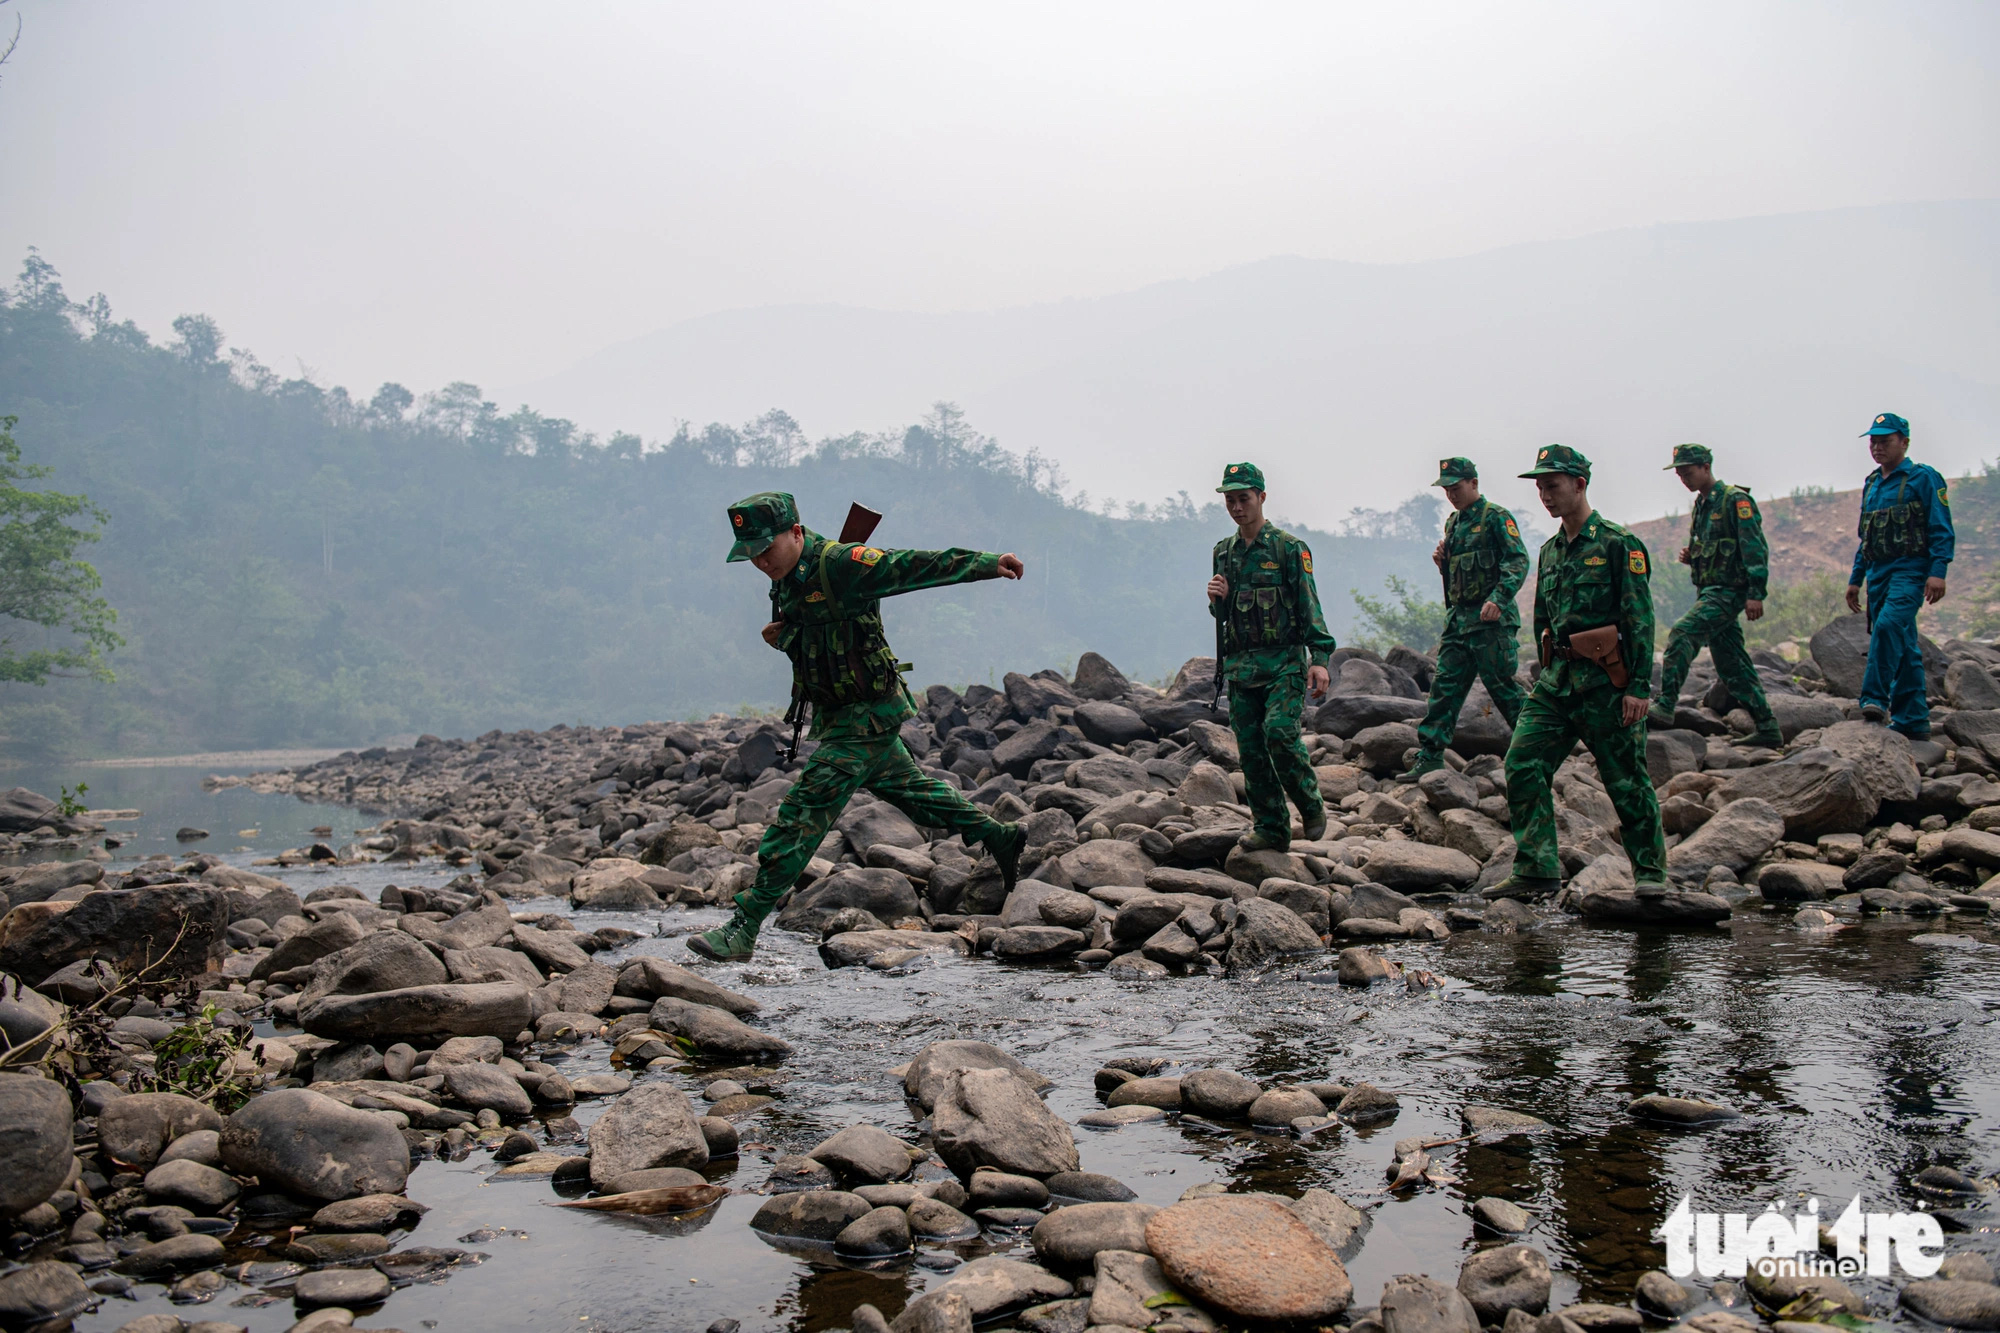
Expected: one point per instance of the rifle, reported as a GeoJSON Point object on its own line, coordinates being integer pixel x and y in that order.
{"type": "Point", "coordinates": [1215, 701]}
{"type": "Point", "coordinates": [859, 527]}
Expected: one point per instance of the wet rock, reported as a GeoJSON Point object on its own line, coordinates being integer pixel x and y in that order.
{"type": "Point", "coordinates": [798, 1173]}
{"type": "Point", "coordinates": [1164, 1093]}
{"type": "Point", "coordinates": [1956, 1304]}
{"type": "Point", "coordinates": [655, 978]}
{"type": "Point", "coordinates": [991, 1117]}
{"type": "Point", "coordinates": [177, 1254]}
{"type": "Point", "coordinates": [1679, 1110]}
{"type": "Point", "coordinates": [191, 1185]}
{"type": "Point", "coordinates": [1501, 1217]}
{"type": "Point", "coordinates": [1740, 833]}
{"type": "Point", "coordinates": [1412, 1303]}
{"type": "Point", "coordinates": [933, 1219]}
{"type": "Point", "coordinates": [1117, 1117]}
{"type": "Point", "coordinates": [341, 1248]}
{"type": "Point", "coordinates": [136, 1129]}
{"type": "Point", "coordinates": [1038, 942]}
{"type": "Point", "coordinates": [41, 1293]}
{"type": "Point", "coordinates": [1799, 882]}
{"type": "Point", "coordinates": [1776, 1292]}
{"type": "Point", "coordinates": [1661, 1295]}
{"type": "Point", "coordinates": [1364, 967]}
{"type": "Point", "coordinates": [716, 1031]}
{"type": "Point", "coordinates": [1814, 918]}
{"type": "Point", "coordinates": [1071, 1237]}
{"type": "Point", "coordinates": [36, 1147]}
{"type": "Point", "coordinates": [1592, 1317]}
{"type": "Point", "coordinates": [878, 1234]}
{"type": "Point", "coordinates": [1250, 1257]}
{"type": "Point", "coordinates": [1008, 1219]}
{"type": "Point", "coordinates": [1218, 1092]}
{"type": "Point", "coordinates": [928, 1072]}
{"type": "Point", "coordinates": [998, 1189]}
{"type": "Point", "coordinates": [1132, 1291]}
{"type": "Point", "coordinates": [993, 1284]}
{"type": "Point", "coordinates": [1332, 1219]}
{"type": "Point", "coordinates": [342, 1288]}
{"type": "Point", "coordinates": [1966, 1266]}
{"type": "Point", "coordinates": [1626, 907]}
{"type": "Point", "coordinates": [1513, 1277]}
{"type": "Point", "coordinates": [369, 1212]}
{"type": "Point", "coordinates": [1089, 1187]}
{"type": "Point", "coordinates": [1949, 1182]}
{"type": "Point", "coordinates": [659, 1178]}
{"type": "Point", "coordinates": [1281, 1106]}
{"type": "Point", "coordinates": [1366, 1102]}
{"type": "Point", "coordinates": [1265, 933]}
{"type": "Point", "coordinates": [719, 1135]}
{"type": "Point", "coordinates": [484, 1087]}
{"type": "Point", "coordinates": [934, 1312]}
{"type": "Point", "coordinates": [865, 1154]}
{"type": "Point", "coordinates": [1419, 866]}
{"type": "Point", "coordinates": [314, 1146]}
{"type": "Point", "coordinates": [1135, 966]}
{"type": "Point", "coordinates": [495, 1008]}
{"type": "Point", "coordinates": [863, 947]}
{"type": "Point", "coordinates": [814, 1215]}
{"type": "Point", "coordinates": [887, 894]}
{"type": "Point", "coordinates": [652, 1125]}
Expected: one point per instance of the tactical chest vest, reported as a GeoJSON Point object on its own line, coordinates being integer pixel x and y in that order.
{"type": "Point", "coordinates": [1715, 554]}
{"type": "Point", "coordinates": [1897, 530]}
{"type": "Point", "coordinates": [840, 653]}
{"type": "Point", "coordinates": [1263, 607]}
{"type": "Point", "coordinates": [1472, 568]}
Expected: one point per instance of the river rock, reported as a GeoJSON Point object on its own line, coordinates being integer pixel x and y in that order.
{"type": "Point", "coordinates": [136, 1129]}
{"type": "Point", "coordinates": [1419, 866]}
{"type": "Point", "coordinates": [1740, 833]}
{"type": "Point", "coordinates": [1265, 933]}
{"type": "Point", "coordinates": [312, 1145]}
{"type": "Point", "coordinates": [1626, 907]}
{"type": "Point", "coordinates": [993, 1284]}
{"type": "Point", "coordinates": [368, 1212]}
{"type": "Point", "coordinates": [191, 1185]}
{"type": "Point", "coordinates": [933, 1219]}
{"type": "Point", "coordinates": [1815, 791]}
{"type": "Point", "coordinates": [1500, 1216]}
{"type": "Point", "coordinates": [495, 1008]}
{"type": "Point", "coordinates": [1412, 1303]}
{"type": "Point", "coordinates": [1657, 1293]}
{"type": "Point", "coordinates": [1071, 1237]}
{"type": "Point", "coordinates": [339, 1288]}
{"type": "Point", "coordinates": [1164, 1093]}
{"type": "Point", "coordinates": [927, 1073]}
{"type": "Point", "coordinates": [991, 1117]}
{"type": "Point", "coordinates": [652, 1125]}
{"type": "Point", "coordinates": [1107, 723]}
{"type": "Point", "coordinates": [1038, 942]}
{"type": "Point", "coordinates": [1332, 1219]}
{"type": "Point", "coordinates": [487, 1087]}
{"type": "Point", "coordinates": [1840, 650]}
{"type": "Point", "coordinates": [1107, 861]}
{"type": "Point", "coordinates": [887, 894]}
{"type": "Point", "coordinates": [1953, 1304]}
{"type": "Point", "coordinates": [169, 927]}
{"type": "Point", "coordinates": [1132, 1291]}
{"type": "Point", "coordinates": [1218, 1092]}
{"type": "Point", "coordinates": [36, 1147]}
{"type": "Point", "coordinates": [43, 1293]}
{"type": "Point", "coordinates": [864, 1154]}
{"type": "Point", "coordinates": [1117, 1117]}
{"type": "Point", "coordinates": [716, 1031]}
{"type": "Point", "coordinates": [1776, 1292]}
{"type": "Point", "coordinates": [1251, 1257]}
{"type": "Point", "coordinates": [874, 1235]}
{"type": "Point", "coordinates": [1281, 1106]}
{"type": "Point", "coordinates": [860, 948]}
{"type": "Point", "coordinates": [384, 961]}
{"type": "Point", "coordinates": [1348, 715]}
{"type": "Point", "coordinates": [1513, 1277]}
{"type": "Point", "coordinates": [1679, 1110]}
{"type": "Point", "coordinates": [1799, 882]}
{"type": "Point", "coordinates": [998, 1189]}
{"type": "Point", "coordinates": [1882, 759]}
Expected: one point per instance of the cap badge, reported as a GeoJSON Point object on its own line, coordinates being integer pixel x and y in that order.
{"type": "Point", "coordinates": [1540, 456]}
{"type": "Point", "coordinates": [737, 519]}
{"type": "Point", "coordinates": [1881, 418]}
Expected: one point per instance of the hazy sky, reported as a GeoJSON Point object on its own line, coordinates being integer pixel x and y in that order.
{"type": "Point", "coordinates": [490, 191]}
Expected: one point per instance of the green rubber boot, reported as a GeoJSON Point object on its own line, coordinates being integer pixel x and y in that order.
{"type": "Point", "coordinates": [1006, 846]}
{"type": "Point", "coordinates": [1254, 841]}
{"type": "Point", "coordinates": [1424, 764]}
{"type": "Point", "coordinates": [1767, 734]}
{"type": "Point", "coordinates": [1524, 887]}
{"type": "Point", "coordinates": [734, 941]}
{"type": "Point", "coordinates": [1315, 828]}
{"type": "Point", "coordinates": [1661, 716]}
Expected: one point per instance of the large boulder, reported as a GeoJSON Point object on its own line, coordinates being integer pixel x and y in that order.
{"type": "Point", "coordinates": [309, 1144]}
{"type": "Point", "coordinates": [22, 810]}
{"type": "Point", "coordinates": [649, 978]}
{"type": "Point", "coordinates": [1803, 712]}
{"type": "Point", "coordinates": [1840, 650]}
{"type": "Point", "coordinates": [1382, 748]}
{"type": "Point", "coordinates": [1251, 1257]}
{"type": "Point", "coordinates": [1071, 1238]}
{"type": "Point", "coordinates": [1105, 862]}
{"type": "Point", "coordinates": [1740, 833]}
{"type": "Point", "coordinates": [36, 1147]}
{"type": "Point", "coordinates": [329, 935]}
{"type": "Point", "coordinates": [137, 1129]}
{"type": "Point", "coordinates": [1096, 678]}
{"type": "Point", "coordinates": [991, 1117]}
{"type": "Point", "coordinates": [36, 883]}
{"type": "Point", "coordinates": [1814, 791]}
{"type": "Point", "coordinates": [1036, 741]}
{"type": "Point", "coordinates": [1419, 866]}
{"type": "Point", "coordinates": [714, 1031]}
{"type": "Point", "coordinates": [1265, 932]}
{"type": "Point", "coordinates": [1511, 1277]}
{"type": "Point", "coordinates": [501, 1009]}
{"type": "Point", "coordinates": [1106, 723]}
{"type": "Point", "coordinates": [1799, 882]}
{"type": "Point", "coordinates": [866, 823]}
{"type": "Point", "coordinates": [1881, 758]}
{"type": "Point", "coordinates": [1413, 1303]}
{"type": "Point", "coordinates": [386, 960]}
{"type": "Point", "coordinates": [926, 1076]}
{"type": "Point", "coordinates": [1347, 715]}
{"type": "Point", "coordinates": [652, 1125]}
{"type": "Point", "coordinates": [886, 894]}
{"type": "Point", "coordinates": [168, 928]}
{"type": "Point", "coordinates": [1482, 727]}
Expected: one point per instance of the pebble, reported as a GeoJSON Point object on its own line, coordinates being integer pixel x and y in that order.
{"type": "Point", "coordinates": [1500, 1216]}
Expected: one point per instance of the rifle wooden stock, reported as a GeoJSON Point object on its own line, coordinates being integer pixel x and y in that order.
{"type": "Point", "coordinates": [860, 524]}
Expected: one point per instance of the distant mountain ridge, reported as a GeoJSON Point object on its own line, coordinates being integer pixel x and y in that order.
{"type": "Point", "coordinates": [1769, 337]}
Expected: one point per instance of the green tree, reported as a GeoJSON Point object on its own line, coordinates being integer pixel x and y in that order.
{"type": "Point", "coordinates": [41, 580]}
{"type": "Point", "coordinates": [1404, 617]}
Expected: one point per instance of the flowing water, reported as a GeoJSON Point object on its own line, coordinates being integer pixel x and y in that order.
{"type": "Point", "coordinates": [1856, 1059]}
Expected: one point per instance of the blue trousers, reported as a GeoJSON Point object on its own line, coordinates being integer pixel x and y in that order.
{"type": "Point", "coordinates": [1895, 678]}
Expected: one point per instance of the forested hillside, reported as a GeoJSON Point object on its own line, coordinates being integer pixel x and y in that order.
{"type": "Point", "coordinates": [298, 565]}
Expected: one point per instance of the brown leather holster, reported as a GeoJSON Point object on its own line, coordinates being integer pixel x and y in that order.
{"type": "Point", "coordinates": [1599, 646]}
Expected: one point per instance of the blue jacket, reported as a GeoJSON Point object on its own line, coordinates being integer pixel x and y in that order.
{"type": "Point", "coordinates": [1883, 492]}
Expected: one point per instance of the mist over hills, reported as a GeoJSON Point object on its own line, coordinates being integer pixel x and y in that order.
{"type": "Point", "coordinates": [1773, 339]}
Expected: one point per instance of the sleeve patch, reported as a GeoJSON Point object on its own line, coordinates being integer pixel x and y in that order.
{"type": "Point", "coordinates": [865, 555]}
{"type": "Point", "coordinates": [1635, 561]}
{"type": "Point", "coordinates": [1513, 531]}
{"type": "Point", "coordinates": [1944, 497]}
{"type": "Point", "coordinates": [1744, 509]}
{"type": "Point", "coordinates": [1306, 559]}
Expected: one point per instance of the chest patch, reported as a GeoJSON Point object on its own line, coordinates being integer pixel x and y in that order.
{"type": "Point", "coordinates": [864, 555]}
{"type": "Point", "coordinates": [1595, 560]}
{"type": "Point", "coordinates": [1742, 509]}
{"type": "Point", "coordinates": [1635, 561]}
{"type": "Point", "coordinates": [815, 596]}
{"type": "Point", "coordinates": [1270, 564]}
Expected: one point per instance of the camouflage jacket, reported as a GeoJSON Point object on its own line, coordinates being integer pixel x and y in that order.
{"type": "Point", "coordinates": [1603, 577]}
{"type": "Point", "coordinates": [1271, 621]}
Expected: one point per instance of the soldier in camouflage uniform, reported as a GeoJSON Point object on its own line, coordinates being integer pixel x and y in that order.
{"type": "Point", "coordinates": [1592, 573]}
{"type": "Point", "coordinates": [1730, 565]}
{"type": "Point", "coordinates": [1275, 647]}
{"type": "Point", "coordinates": [826, 616]}
{"type": "Point", "coordinates": [1907, 542]}
{"type": "Point", "coordinates": [1484, 565]}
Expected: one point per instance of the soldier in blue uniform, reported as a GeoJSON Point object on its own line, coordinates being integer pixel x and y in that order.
{"type": "Point", "coordinates": [1906, 545]}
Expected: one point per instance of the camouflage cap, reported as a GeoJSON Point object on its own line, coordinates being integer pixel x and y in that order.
{"type": "Point", "coordinates": [1690, 455]}
{"type": "Point", "coordinates": [1559, 460]}
{"type": "Point", "coordinates": [1888, 423]}
{"type": "Point", "coordinates": [1242, 477]}
{"type": "Point", "coordinates": [1451, 471]}
{"type": "Point", "coordinates": [756, 521]}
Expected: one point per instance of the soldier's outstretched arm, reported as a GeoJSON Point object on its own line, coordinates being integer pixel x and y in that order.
{"type": "Point", "coordinates": [871, 572]}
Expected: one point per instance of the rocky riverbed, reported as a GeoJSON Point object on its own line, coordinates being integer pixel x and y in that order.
{"type": "Point", "coordinates": [925, 1105]}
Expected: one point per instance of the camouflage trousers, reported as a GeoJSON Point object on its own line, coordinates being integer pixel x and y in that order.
{"type": "Point", "coordinates": [1479, 651]}
{"type": "Point", "coordinates": [834, 772]}
{"type": "Point", "coordinates": [1549, 726]}
{"type": "Point", "coordinates": [1712, 620]}
{"type": "Point", "coordinates": [1265, 719]}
